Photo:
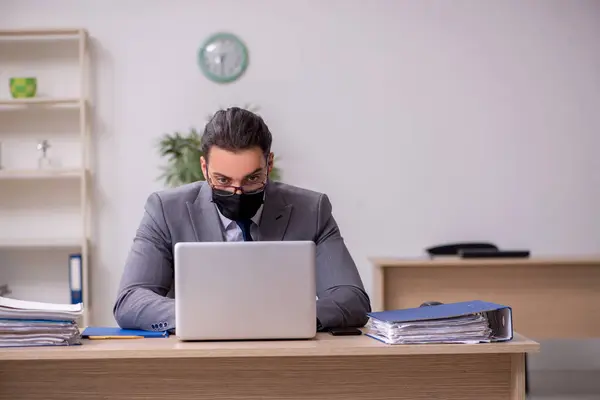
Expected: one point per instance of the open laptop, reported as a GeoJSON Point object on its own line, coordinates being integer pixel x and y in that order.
{"type": "Point", "coordinates": [245, 290]}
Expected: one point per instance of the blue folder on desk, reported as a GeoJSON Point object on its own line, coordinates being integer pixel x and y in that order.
{"type": "Point", "coordinates": [118, 333]}
{"type": "Point", "coordinates": [498, 315]}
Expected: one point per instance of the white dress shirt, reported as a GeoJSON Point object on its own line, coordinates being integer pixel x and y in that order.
{"type": "Point", "coordinates": [233, 233]}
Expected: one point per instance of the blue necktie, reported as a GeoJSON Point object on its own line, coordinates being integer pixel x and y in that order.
{"type": "Point", "coordinates": [245, 227]}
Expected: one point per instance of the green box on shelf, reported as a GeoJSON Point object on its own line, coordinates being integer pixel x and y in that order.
{"type": "Point", "coordinates": [21, 88]}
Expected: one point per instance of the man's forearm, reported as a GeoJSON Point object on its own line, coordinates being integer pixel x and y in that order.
{"type": "Point", "coordinates": [140, 308]}
{"type": "Point", "coordinates": [343, 306]}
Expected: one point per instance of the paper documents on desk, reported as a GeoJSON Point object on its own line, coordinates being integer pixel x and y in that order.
{"type": "Point", "coordinates": [27, 323]}
{"type": "Point", "coordinates": [467, 322]}
{"type": "Point", "coordinates": [20, 309]}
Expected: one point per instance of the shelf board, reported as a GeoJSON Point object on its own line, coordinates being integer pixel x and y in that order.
{"type": "Point", "coordinates": [58, 173]}
{"type": "Point", "coordinates": [42, 101]}
{"type": "Point", "coordinates": [40, 243]}
{"type": "Point", "coordinates": [22, 33]}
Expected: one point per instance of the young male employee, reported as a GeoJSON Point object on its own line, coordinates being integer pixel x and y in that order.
{"type": "Point", "coordinates": [237, 202]}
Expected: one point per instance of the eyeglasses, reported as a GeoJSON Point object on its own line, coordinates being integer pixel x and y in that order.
{"type": "Point", "coordinates": [246, 188]}
{"type": "Point", "coordinates": [226, 191]}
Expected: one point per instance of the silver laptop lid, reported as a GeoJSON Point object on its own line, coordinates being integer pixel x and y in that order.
{"type": "Point", "coordinates": [245, 290]}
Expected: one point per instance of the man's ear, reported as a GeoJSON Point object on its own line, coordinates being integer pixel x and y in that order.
{"type": "Point", "coordinates": [271, 160]}
{"type": "Point", "coordinates": [203, 166]}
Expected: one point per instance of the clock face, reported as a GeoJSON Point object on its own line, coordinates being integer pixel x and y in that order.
{"type": "Point", "coordinates": [223, 58]}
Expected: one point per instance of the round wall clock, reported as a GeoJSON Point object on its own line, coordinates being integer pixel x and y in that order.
{"type": "Point", "coordinates": [223, 58]}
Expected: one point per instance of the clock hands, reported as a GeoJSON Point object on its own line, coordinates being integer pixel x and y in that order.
{"type": "Point", "coordinates": [220, 61]}
{"type": "Point", "coordinates": [222, 64]}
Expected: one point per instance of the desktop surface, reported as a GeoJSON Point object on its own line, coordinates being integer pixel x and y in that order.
{"type": "Point", "coordinates": [245, 290]}
{"type": "Point", "coordinates": [326, 367]}
{"type": "Point", "coordinates": [323, 345]}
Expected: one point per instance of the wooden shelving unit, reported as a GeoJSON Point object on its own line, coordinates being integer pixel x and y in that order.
{"type": "Point", "coordinates": [43, 33]}
{"type": "Point", "coordinates": [41, 243]}
{"type": "Point", "coordinates": [40, 102]}
{"type": "Point", "coordinates": [56, 173]}
{"type": "Point", "coordinates": [73, 175]}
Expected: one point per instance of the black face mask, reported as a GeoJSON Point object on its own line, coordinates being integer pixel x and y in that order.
{"type": "Point", "coordinates": [238, 207]}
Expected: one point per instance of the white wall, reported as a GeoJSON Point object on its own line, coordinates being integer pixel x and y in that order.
{"type": "Point", "coordinates": [425, 122]}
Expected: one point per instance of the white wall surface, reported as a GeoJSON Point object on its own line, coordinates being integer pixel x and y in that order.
{"type": "Point", "coordinates": [425, 121]}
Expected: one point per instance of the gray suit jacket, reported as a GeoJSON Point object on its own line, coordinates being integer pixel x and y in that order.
{"type": "Point", "coordinates": [187, 214]}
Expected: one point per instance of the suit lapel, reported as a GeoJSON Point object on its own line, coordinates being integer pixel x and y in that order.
{"type": "Point", "coordinates": [205, 218]}
{"type": "Point", "coordinates": [275, 216]}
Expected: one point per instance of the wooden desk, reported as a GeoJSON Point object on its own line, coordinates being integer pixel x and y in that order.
{"type": "Point", "coordinates": [329, 367]}
{"type": "Point", "coordinates": [568, 287]}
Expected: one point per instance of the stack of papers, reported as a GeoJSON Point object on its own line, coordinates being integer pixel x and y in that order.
{"type": "Point", "coordinates": [28, 323]}
{"type": "Point", "coordinates": [465, 322]}
{"type": "Point", "coordinates": [467, 329]}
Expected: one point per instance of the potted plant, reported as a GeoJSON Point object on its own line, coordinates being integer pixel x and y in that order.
{"type": "Point", "coordinates": [183, 153]}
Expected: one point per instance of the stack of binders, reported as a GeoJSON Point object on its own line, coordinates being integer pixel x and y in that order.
{"type": "Point", "coordinates": [466, 322]}
{"type": "Point", "coordinates": [27, 323]}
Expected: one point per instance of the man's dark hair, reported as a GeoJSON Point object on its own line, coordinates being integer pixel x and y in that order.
{"type": "Point", "coordinates": [236, 129]}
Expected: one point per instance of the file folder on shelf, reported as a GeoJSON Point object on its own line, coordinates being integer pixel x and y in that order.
{"type": "Point", "coordinates": [465, 322]}
{"type": "Point", "coordinates": [75, 278]}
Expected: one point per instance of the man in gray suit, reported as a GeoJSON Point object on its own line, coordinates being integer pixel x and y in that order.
{"type": "Point", "coordinates": [236, 202]}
